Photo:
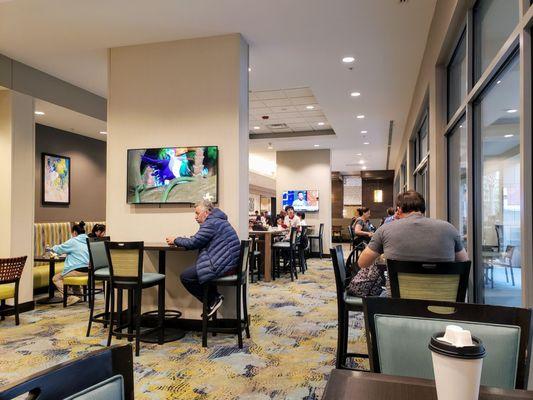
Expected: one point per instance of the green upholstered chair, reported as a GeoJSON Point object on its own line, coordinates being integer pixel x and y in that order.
{"type": "Point", "coordinates": [239, 281]}
{"type": "Point", "coordinates": [126, 271]}
{"type": "Point", "coordinates": [98, 271]}
{"type": "Point", "coordinates": [75, 281]}
{"type": "Point", "coordinates": [345, 303]}
{"type": "Point", "coordinates": [10, 273]}
{"type": "Point", "coordinates": [399, 330]}
{"type": "Point", "coordinates": [441, 281]}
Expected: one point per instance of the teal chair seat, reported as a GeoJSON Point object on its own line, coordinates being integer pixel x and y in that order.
{"type": "Point", "coordinates": [110, 389]}
{"type": "Point", "coordinates": [102, 273]}
{"type": "Point", "coordinates": [151, 277]}
{"type": "Point", "coordinates": [403, 347]}
{"type": "Point", "coordinates": [353, 300]}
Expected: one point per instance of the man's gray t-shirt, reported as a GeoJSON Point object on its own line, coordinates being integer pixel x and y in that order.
{"type": "Point", "coordinates": [417, 238]}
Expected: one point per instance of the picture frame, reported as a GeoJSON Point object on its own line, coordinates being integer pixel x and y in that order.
{"type": "Point", "coordinates": [55, 179]}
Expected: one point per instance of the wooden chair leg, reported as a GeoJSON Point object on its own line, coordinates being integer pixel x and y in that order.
{"type": "Point", "coordinates": [130, 314]}
{"type": "Point", "coordinates": [120, 296]}
{"type": "Point", "coordinates": [137, 317]}
{"type": "Point", "coordinates": [65, 295]}
{"type": "Point", "coordinates": [245, 309]}
{"type": "Point", "coordinates": [91, 307]}
{"type": "Point", "coordinates": [239, 316]}
{"type": "Point", "coordinates": [106, 295]}
{"type": "Point", "coordinates": [204, 315]}
{"type": "Point", "coordinates": [2, 306]}
{"type": "Point", "coordinates": [16, 301]}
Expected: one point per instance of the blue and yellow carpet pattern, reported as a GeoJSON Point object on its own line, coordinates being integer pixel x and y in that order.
{"type": "Point", "coordinates": [289, 356]}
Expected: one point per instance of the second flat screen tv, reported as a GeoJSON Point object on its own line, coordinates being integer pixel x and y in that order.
{"type": "Point", "coordinates": [301, 200]}
{"type": "Point", "coordinates": [172, 175]}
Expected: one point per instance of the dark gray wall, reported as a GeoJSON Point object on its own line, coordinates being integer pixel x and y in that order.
{"type": "Point", "coordinates": [88, 175]}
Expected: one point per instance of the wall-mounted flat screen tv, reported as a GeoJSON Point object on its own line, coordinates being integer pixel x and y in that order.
{"type": "Point", "coordinates": [173, 175]}
{"type": "Point", "coordinates": [301, 200]}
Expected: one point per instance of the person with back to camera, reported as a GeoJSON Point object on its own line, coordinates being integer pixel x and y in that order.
{"type": "Point", "coordinates": [77, 261]}
{"type": "Point", "coordinates": [414, 237]}
{"type": "Point", "coordinates": [218, 256]}
{"type": "Point", "coordinates": [391, 216]}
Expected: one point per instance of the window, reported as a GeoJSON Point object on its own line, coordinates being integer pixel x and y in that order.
{"type": "Point", "coordinates": [403, 175]}
{"type": "Point", "coordinates": [456, 73]}
{"type": "Point", "coordinates": [421, 159]}
{"type": "Point", "coordinates": [494, 20]}
{"type": "Point", "coordinates": [457, 179]}
{"type": "Point", "coordinates": [497, 135]}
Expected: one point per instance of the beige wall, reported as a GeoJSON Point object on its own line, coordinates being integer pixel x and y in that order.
{"type": "Point", "coordinates": [17, 151]}
{"type": "Point", "coordinates": [307, 169]}
{"type": "Point", "coordinates": [180, 93]}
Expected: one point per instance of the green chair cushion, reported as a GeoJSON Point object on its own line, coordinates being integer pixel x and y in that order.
{"type": "Point", "coordinates": [102, 273]}
{"type": "Point", "coordinates": [152, 277]}
{"type": "Point", "coordinates": [403, 347]}
{"type": "Point", "coordinates": [76, 280]}
{"type": "Point", "coordinates": [40, 274]}
{"type": "Point", "coordinates": [353, 300]}
{"type": "Point", "coordinates": [7, 291]}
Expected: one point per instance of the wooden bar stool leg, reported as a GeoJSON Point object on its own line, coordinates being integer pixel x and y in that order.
{"type": "Point", "coordinates": [2, 306]}
{"type": "Point", "coordinates": [130, 313]}
{"type": "Point", "coordinates": [17, 318]}
{"type": "Point", "coordinates": [137, 294]}
{"type": "Point", "coordinates": [245, 309]}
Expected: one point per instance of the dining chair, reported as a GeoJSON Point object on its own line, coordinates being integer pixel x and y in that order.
{"type": "Point", "coordinates": [286, 249]}
{"type": "Point", "coordinates": [98, 271]}
{"type": "Point", "coordinates": [506, 261]}
{"type": "Point", "coordinates": [320, 238]}
{"type": "Point", "coordinates": [444, 281]}
{"type": "Point", "coordinates": [10, 273]}
{"type": "Point", "coordinates": [399, 331]}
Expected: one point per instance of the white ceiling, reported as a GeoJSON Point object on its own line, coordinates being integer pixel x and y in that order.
{"type": "Point", "coordinates": [293, 43]}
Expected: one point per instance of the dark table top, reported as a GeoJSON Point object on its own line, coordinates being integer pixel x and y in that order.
{"type": "Point", "coordinates": [46, 258]}
{"type": "Point", "coordinates": [162, 247]}
{"type": "Point", "coordinates": [344, 385]}
{"type": "Point", "coordinates": [271, 232]}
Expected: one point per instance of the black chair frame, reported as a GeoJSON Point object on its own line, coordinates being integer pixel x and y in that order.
{"type": "Point", "coordinates": [73, 376]}
{"type": "Point", "coordinates": [320, 238]}
{"type": "Point", "coordinates": [134, 287]}
{"type": "Point", "coordinates": [103, 317]}
{"type": "Point", "coordinates": [242, 322]}
{"type": "Point", "coordinates": [290, 251]}
{"type": "Point", "coordinates": [467, 312]}
{"type": "Point", "coordinates": [436, 268]}
{"type": "Point", "coordinates": [342, 278]}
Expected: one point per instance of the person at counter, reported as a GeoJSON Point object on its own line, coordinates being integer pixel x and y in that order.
{"type": "Point", "coordinates": [218, 255]}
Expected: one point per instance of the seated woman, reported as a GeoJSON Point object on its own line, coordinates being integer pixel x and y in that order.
{"type": "Point", "coordinates": [362, 227]}
{"type": "Point", "coordinates": [97, 231]}
{"type": "Point", "coordinates": [77, 261]}
{"type": "Point", "coordinates": [301, 215]}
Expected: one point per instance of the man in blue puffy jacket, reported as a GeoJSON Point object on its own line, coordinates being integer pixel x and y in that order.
{"type": "Point", "coordinates": [218, 256]}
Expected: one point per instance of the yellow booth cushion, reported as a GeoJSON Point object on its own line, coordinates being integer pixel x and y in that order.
{"type": "Point", "coordinates": [7, 291]}
{"type": "Point", "coordinates": [76, 280]}
{"type": "Point", "coordinates": [40, 274]}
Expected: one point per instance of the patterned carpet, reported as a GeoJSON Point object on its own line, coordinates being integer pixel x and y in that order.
{"type": "Point", "coordinates": [290, 354]}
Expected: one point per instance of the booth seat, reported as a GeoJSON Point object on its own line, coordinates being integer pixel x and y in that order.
{"type": "Point", "coordinates": [51, 233]}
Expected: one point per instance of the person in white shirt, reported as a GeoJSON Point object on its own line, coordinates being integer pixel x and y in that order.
{"type": "Point", "coordinates": [301, 215]}
{"type": "Point", "coordinates": [291, 219]}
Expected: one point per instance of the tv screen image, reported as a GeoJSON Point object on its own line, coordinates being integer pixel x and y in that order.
{"type": "Point", "coordinates": [301, 200]}
{"type": "Point", "coordinates": [172, 175]}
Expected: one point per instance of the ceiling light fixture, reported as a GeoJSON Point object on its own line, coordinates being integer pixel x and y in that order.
{"type": "Point", "coordinates": [348, 59]}
{"type": "Point", "coordinates": [257, 127]}
{"type": "Point", "coordinates": [355, 94]}
{"type": "Point", "coordinates": [310, 107]}
{"type": "Point", "coordinates": [512, 110]}
{"type": "Point", "coordinates": [364, 132]}
{"type": "Point", "coordinates": [321, 124]}
{"type": "Point", "coordinates": [364, 167]}
{"type": "Point", "coordinates": [39, 113]}
{"type": "Point", "coordinates": [360, 116]}
{"type": "Point", "coordinates": [359, 154]}
{"type": "Point", "coordinates": [317, 145]}
{"type": "Point", "coordinates": [366, 143]}
{"type": "Point", "coordinates": [361, 161]}
{"type": "Point", "coordinates": [103, 133]}
{"type": "Point", "coordinates": [249, 69]}
{"type": "Point", "coordinates": [497, 83]}
{"type": "Point", "coordinates": [270, 146]}
{"type": "Point", "coordinates": [508, 136]}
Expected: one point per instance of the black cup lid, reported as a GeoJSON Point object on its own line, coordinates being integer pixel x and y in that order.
{"type": "Point", "coordinates": [467, 352]}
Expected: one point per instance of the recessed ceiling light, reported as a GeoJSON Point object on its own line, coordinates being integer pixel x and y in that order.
{"type": "Point", "coordinates": [355, 94]}
{"type": "Point", "coordinates": [460, 126]}
{"type": "Point", "coordinates": [360, 116]}
{"type": "Point", "coordinates": [310, 107]}
{"type": "Point", "coordinates": [39, 113]}
{"type": "Point", "coordinates": [103, 132]}
{"type": "Point", "coordinates": [317, 145]}
{"type": "Point", "coordinates": [348, 59]}
{"type": "Point", "coordinates": [497, 83]}
{"type": "Point", "coordinates": [364, 167]}
{"type": "Point", "coordinates": [359, 154]}
{"type": "Point", "coordinates": [361, 161]}
{"type": "Point", "coordinates": [366, 143]}
{"type": "Point", "coordinates": [507, 136]}
{"type": "Point", "coordinates": [321, 124]}
{"type": "Point", "coordinates": [249, 69]}
{"type": "Point", "coordinates": [364, 131]}
{"type": "Point", "coordinates": [257, 127]}
{"type": "Point", "coordinates": [512, 110]}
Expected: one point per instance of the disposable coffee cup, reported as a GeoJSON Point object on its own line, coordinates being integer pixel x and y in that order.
{"type": "Point", "coordinates": [457, 363]}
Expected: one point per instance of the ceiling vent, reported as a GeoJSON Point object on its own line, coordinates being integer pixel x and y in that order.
{"type": "Point", "coordinates": [277, 126]}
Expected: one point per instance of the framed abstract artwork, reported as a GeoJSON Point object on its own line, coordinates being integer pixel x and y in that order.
{"type": "Point", "coordinates": [55, 171]}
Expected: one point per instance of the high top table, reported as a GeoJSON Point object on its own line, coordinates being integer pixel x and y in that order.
{"type": "Point", "coordinates": [267, 254]}
{"type": "Point", "coordinates": [354, 385]}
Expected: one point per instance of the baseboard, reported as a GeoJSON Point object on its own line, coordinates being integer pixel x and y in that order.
{"type": "Point", "coordinates": [23, 307]}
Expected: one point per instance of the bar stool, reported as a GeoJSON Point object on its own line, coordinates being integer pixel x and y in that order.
{"type": "Point", "coordinates": [320, 238]}
{"type": "Point", "coordinates": [302, 244]}
{"type": "Point", "coordinates": [255, 259]}
{"type": "Point", "coordinates": [239, 282]}
{"type": "Point", "coordinates": [10, 273]}
{"type": "Point", "coordinates": [289, 249]}
{"type": "Point", "coordinates": [126, 273]}
{"type": "Point", "coordinates": [75, 281]}
{"type": "Point", "coordinates": [98, 271]}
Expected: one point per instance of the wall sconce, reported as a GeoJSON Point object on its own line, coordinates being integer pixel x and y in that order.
{"type": "Point", "coordinates": [378, 196]}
